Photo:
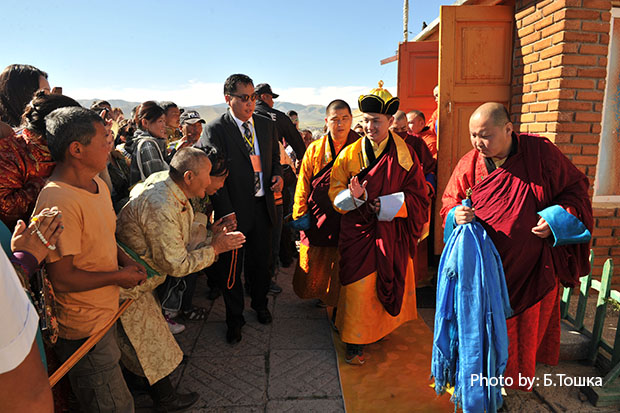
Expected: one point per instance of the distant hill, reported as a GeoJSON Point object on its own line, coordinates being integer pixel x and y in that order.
{"type": "Point", "coordinates": [310, 116]}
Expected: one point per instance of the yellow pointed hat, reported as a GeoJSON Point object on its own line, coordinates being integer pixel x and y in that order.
{"type": "Point", "coordinates": [379, 100]}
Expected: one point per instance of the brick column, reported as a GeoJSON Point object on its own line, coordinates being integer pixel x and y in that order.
{"type": "Point", "coordinates": [559, 70]}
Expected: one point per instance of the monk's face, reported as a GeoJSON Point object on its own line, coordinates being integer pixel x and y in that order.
{"type": "Point", "coordinates": [488, 138]}
{"type": "Point", "coordinates": [377, 126]}
{"type": "Point", "coordinates": [339, 123]}
{"type": "Point", "coordinates": [400, 125]}
{"type": "Point", "coordinates": [415, 123]}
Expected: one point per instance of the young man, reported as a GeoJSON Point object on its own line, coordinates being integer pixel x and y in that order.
{"type": "Point", "coordinates": [316, 275]}
{"type": "Point", "coordinates": [532, 201]}
{"type": "Point", "coordinates": [84, 268]}
{"type": "Point", "coordinates": [173, 113]}
{"type": "Point", "coordinates": [377, 183]}
{"type": "Point", "coordinates": [250, 142]}
{"type": "Point", "coordinates": [416, 127]}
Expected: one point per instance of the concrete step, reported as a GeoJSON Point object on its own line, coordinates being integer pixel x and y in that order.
{"type": "Point", "coordinates": [573, 344]}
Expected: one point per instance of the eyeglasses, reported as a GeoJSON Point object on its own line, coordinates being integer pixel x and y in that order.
{"type": "Point", "coordinates": [245, 98]}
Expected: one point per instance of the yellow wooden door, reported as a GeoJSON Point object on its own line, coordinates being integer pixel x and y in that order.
{"type": "Point", "coordinates": [475, 60]}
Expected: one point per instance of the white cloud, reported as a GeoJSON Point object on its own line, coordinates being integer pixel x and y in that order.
{"type": "Point", "coordinates": [201, 93]}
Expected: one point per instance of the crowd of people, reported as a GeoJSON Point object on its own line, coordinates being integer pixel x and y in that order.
{"type": "Point", "coordinates": [109, 209]}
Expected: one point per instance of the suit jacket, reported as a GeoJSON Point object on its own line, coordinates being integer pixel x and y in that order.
{"type": "Point", "coordinates": [237, 195]}
{"type": "Point", "coordinates": [284, 127]}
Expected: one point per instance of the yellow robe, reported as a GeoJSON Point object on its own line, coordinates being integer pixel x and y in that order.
{"type": "Point", "coordinates": [361, 318]}
{"type": "Point", "coordinates": [316, 274]}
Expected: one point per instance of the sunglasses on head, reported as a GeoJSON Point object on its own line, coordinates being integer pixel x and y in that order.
{"type": "Point", "coordinates": [245, 98]}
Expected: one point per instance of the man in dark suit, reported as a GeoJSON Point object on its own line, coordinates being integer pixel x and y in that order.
{"type": "Point", "coordinates": [250, 143]}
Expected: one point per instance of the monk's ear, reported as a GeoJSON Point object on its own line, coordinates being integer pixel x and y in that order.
{"type": "Point", "coordinates": [509, 128]}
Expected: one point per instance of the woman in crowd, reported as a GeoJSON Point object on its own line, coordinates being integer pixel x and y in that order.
{"type": "Point", "coordinates": [25, 160]}
{"type": "Point", "coordinates": [148, 146]}
{"type": "Point", "coordinates": [17, 85]}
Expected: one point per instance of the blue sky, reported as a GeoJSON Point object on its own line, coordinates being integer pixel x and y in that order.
{"type": "Point", "coordinates": [309, 51]}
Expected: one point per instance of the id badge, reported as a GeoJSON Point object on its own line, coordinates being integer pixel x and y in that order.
{"type": "Point", "coordinates": [256, 163]}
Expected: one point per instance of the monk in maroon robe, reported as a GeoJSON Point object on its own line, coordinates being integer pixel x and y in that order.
{"type": "Point", "coordinates": [377, 185]}
{"type": "Point", "coordinates": [514, 180]}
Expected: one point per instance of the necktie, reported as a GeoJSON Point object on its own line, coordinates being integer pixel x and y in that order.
{"type": "Point", "coordinates": [249, 143]}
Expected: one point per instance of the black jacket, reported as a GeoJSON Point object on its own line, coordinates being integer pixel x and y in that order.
{"type": "Point", "coordinates": [237, 195]}
{"type": "Point", "coordinates": [285, 127]}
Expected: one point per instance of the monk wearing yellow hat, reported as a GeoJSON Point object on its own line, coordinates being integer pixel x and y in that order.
{"type": "Point", "coordinates": [378, 186]}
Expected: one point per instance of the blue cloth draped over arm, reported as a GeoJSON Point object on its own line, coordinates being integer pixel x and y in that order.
{"type": "Point", "coordinates": [566, 228]}
{"type": "Point", "coordinates": [470, 338]}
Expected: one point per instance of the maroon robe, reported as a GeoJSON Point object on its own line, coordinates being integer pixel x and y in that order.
{"type": "Point", "coordinates": [507, 201]}
{"type": "Point", "coordinates": [324, 220]}
{"type": "Point", "coordinates": [368, 245]}
{"type": "Point", "coordinates": [429, 164]}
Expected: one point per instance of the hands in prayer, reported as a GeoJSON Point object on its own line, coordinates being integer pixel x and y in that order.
{"type": "Point", "coordinates": [227, 241]}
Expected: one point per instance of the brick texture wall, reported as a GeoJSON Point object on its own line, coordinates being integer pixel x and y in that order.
{"type": "Point", "coordinates": [559, 70]}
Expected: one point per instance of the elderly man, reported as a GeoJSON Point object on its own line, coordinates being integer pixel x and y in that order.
{"type": "Point", "coordinates": [156, 225]}
{"type": "Point", "coordinates": [191, 129]}
{"type": "Point", "coordinates": [377, 183]}
{"type": "Point", "coordinates": [534, 204]}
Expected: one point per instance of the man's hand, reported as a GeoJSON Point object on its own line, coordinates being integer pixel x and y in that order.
{"type": "Point", "coordinates": [125, 260]}
{"type": "Point", "coordinates": [375, 205]}
{"type": "Point", "coordinates": [541, 229]}
{"type": "Point", "coordinates": [463, 215]}
{"type": "Point", "coordinates": [49, 224]}
{"type": "Point", "coordinates": [357, 190]}
{"type": "Point", "coordinates": [225, 224]}
{"type": "Point", "coordinates": [130, 276]}
{"type": "Point", "coordinates": [227, 241]}
{"type": "Point", "coordinates": [277, 183]}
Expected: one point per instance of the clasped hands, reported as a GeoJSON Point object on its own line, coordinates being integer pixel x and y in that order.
{"type": "Point", "coordinates": [465, 215]}
{"type": "Point", "coordinates": [358, 190]}
{"type": "Point", "coordinates": [225, 238]}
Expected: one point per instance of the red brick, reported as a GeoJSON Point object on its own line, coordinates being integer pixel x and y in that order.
{"type": "Point", "coordinates": [529, 98]}
{"type": "Point", "coordinates": [602, 62]}
{"type": "Point", "coordinates": [555, 83]}
{"type": "Point", "coordinates": [598, 107]}
{"type": "Point", "coordinates": [536, 127]}
{"type": "Point", "coordinates": [589, 95]}
{"type": "Point", "coordinates": [600, 251]}
{"type": "Point", "coordinates": [518, 71]}
{"type": "Point", "coordinates": [533, 57]}
{"type": "Point", "coordinates": [605, 16]}
{"type": "Point", "coordinates": [589, 149]}
{"type": "Point", "coordinates": [571, 149]}
{"type": "Point", "coordinates": [596, 72]}
{"type": "Point", "coordinates": [537, 67]}
{"type": "Point", "coordinates": [538, 107]}
{"type": "Point", "coordinates": [557, 49]}
{"type": "Point", "coordinates": [531, 38]}
{"type": "Point", "coordinates": [591, 172]}
{"type": "Point", "coordinates": [610, 242]}
{"type": "Point", "coordinates": [603, 212]}
{"type": "Point", "coordinates": [525, 12]}
{"type": "Point", "coordinates": [539, 86]}
{"type": "Point", "coordinates": [542, 44]}
{"type": "Point", "coordinates": [579, 60]}
{"type": "Point", "coordinates": [556, 94]}
{"type": "Point", "coordinates": [601, 84]}
{"type": "Point", "coordinates": [533, 77]}
{"type": "Point", "coordinates": [525, 31]}
{"type": "Point", "coordinates": [601, 232]}
{"type": "Point", "coordinates": [603, 39]}
{"type": "Point", "coordinates": [580, 14]}
{"type": "Point", "coordinates": [578, 83]}
{"type": "Point", "coordinates": [581, 168]}
{"type": "Point", "coordinates": [561, 26]}
{"type": "Point", "coordinates": [573, 127]}
{"type": "Point", "coordinates": [532, 18]}
{"type": "Point", "coordinates": [584, 159]}
{"type": "Point", "coordinates": [586, 138]}
{"type": "Point", "coordinates": [596, 128]}
{"type": "Point", "coordinates": [559, 4]}
{"type": "Point", "coordinates": [571, 105]}
{"type": "Point", "coordinates": [608, 222]}
{"type": "Point", "coordinates": [541, 24]}
{"type": "Point", "coordinates": [593, 49]}
{"type": "Point", "coordinates": [587, 117]}
{"type": "Point", "coordinates": [596, 4]}
{"type": "Point", "coordinates": [580, 37]}
{"type": "Point", "coordinates": [527, 117]}
{"type": "Point", "coordinates": [595, 27]}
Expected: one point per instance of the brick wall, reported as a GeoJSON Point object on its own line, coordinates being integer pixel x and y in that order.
{"type": "Point", "coordinates": [559, 70]}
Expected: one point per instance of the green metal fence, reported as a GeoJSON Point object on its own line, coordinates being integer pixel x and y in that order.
{"type": "Point", "coordinates": [609, 392]}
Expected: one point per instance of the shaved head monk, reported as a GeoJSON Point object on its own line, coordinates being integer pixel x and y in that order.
{"type": "Point", "coordinates": [534, 204]}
